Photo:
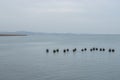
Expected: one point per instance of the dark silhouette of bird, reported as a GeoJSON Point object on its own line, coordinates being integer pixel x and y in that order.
{"type": "Point", "coordinates": [113, 50]}
{"type": "Point", "coordinates": [91, 50]}
{"type": "Point", "coordinates": [96, 49]}
{"type": "Point", "coordinates": [57, 50]}
{"type": "Point", "coordinates": [85, 49]}
{"type": "Point", "coordinates": [103, 49]}
{"type": "Point", "coordinates": [47, 50]}
{"type": "Point", "coordinates": [109, 50]}
{"type": "Point", "coordinates": [67, 50]}
{"type": "Point", "coordinates": [100, 49]}
{"type": "Point", "coordinates": [82, 50]}
{"type": "Point", "coordinates": [74, 50]}
{"type": "Point", "coordinates": [54, 51]}
{"type": "Point", "coordinates": [64, 50]}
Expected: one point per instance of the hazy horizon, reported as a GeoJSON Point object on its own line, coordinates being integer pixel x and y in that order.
{"type": "Point", "coordinates": [60, 16]}
{"type": "Point", "coordinates": [32, 32]}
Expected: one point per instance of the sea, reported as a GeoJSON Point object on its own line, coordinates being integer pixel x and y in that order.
{"type": "Point", "coordinates": [25, 57]}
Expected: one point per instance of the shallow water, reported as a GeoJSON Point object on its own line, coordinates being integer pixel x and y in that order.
{"type": "Point", "coordinates": [24, 58]}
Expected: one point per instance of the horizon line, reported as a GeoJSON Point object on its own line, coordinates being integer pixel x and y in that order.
{"type": "Point", "coordinates": [6, 32]}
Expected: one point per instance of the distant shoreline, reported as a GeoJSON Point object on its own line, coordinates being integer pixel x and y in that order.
{"type": "Point", "coordinates": [13, 35]}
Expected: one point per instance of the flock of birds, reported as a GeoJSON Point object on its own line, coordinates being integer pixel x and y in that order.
{"type": "Point", "coordinates": [82, 50]}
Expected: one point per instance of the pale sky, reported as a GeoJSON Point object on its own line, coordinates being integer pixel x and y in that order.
{"type": "Point", "coordinates": [61, 16]}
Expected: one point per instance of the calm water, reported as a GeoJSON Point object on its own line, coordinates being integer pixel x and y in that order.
{"type": "Point", "coordinates": [24, 58]}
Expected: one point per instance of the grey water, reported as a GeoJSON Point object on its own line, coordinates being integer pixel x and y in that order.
{"type": "Point", "coordinates": [25, 58]}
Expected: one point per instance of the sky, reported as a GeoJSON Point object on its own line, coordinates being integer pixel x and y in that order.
{"type": "Point", "coordinates": [61, 16]}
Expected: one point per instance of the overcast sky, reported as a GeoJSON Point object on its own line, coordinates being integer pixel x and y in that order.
{"type": "Point", "coordinates": [61, 16]}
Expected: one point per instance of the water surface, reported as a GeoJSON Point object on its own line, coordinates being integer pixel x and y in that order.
{"type": "Point", "coordinates": [24, 58]}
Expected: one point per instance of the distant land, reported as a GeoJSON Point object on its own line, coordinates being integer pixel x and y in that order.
{"type": "Point", "coordinates": [26, 33]}
{"type": "Point", "coordinates": [12, 35]}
